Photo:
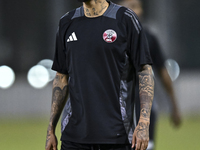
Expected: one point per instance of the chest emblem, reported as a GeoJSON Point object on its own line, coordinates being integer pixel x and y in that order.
{"type": "Point", "coordinates": [109, 36]}
{"type": "Point", "coordinates": [72, 37]}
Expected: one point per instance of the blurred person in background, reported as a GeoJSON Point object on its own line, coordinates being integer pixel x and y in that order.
{"type": "Point", "coordinates": [158, 67]}
{"type": "Point", "coordinates": [100, 49]}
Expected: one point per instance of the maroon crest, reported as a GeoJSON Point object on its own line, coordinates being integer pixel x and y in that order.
{"type": "Point", "coordinates": [109, 36]}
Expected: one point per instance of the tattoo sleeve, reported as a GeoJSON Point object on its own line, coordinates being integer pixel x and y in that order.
{"type": "Point", "coordinates": [146, 92]}
{"type": "Point", "coordinates": [59, 97]}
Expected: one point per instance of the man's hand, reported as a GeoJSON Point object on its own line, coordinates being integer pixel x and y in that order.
{"type": "Point", "coordinates": [141, 136]}
{"type": "Point", "coordinates": [51, 142]}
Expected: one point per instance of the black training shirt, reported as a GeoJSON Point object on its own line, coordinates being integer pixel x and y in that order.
{"type": "Point", "coordinates": [101, 55]}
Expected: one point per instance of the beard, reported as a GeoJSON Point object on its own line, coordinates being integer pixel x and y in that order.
{"type": "Point", "coordinates": [83, 0]}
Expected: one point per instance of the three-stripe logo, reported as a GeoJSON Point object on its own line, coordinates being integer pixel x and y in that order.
{"type": "Point", "coordinates": [134, 19]}
{"type": "Point", "coordinates": [72, 37]}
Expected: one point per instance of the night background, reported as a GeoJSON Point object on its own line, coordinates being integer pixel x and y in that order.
{"type": "Point", "coordinates": [27, 36]}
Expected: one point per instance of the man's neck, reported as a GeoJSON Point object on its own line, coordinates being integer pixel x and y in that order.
{"type": "Point", "coordinates": [95, 8]}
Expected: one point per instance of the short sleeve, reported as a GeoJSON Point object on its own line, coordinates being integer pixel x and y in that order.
{"type": "Point", "coordinates": [59, 63]}
{"type": "Point", "coordinates": [138, 44]}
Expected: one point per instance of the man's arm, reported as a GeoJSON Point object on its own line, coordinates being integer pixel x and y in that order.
{"type": "Point", "coordinates": [146, 92]}
{"type": "Point", "coordinates": [59, 98]}
{"type": "Point", "coordinates": [167, 82]}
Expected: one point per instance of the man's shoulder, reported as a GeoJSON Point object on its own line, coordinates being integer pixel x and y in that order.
{"type": "Point", "coordinates": [129, 18]}
{"type": "Point", "coordinates": [115, 11]}
{"type": "Point", "coordinates": [75, 13]}
{"type": "Point", "coordinates": [125, 14]}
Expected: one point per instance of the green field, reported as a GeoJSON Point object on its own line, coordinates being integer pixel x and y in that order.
{"type": "Point", "coordinates": [22, 134]}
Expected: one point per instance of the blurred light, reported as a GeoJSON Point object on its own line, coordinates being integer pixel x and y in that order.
{"type": "Point", "coordinates": [47, 63]}
{"type": "Point", "coordinates": [38, 76]}
{"type": "Point", "coordinates": [150, 145]}
{"type": "Point", "coordinates": [172, 68]}
{"type": "Point", "coordinates": [7, 77]}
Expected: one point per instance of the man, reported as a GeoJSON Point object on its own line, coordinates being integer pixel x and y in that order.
{"type": "Point", "coordinates": [159, 68]}
{"type": "Point", "coordinates": [100, 48]}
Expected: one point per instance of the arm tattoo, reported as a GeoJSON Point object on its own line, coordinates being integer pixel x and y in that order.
{"type": "Point", "coordinates": [142, 130]}
{"type": "Point", "coordinates": [48, 136]}
{"type": "Point", "coordinates": [59, 97]}
{"type": "Point", "coordinates": [146, 91]}
{"type": "Point", "coordinates": [58, 100]}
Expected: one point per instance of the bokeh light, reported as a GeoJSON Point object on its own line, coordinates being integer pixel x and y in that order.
{"type": "Point", "coordinates": [47, 63]}
{"type": "Point", "coordinates": [38, 76]}
{"type": "Point", "coordinates": [172, 68]}
{"type": "Point", "coordinates": [7, 77]}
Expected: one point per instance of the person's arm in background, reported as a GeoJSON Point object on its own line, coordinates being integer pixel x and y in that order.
{"type": "Point", "coordinates": [167, 82]}
{"type": "Point", "coordinates": [146, 92]}
{"type": "Point", "coordinates": [59, 98]}
{"type": "Point", "coordinates": [159, 64]}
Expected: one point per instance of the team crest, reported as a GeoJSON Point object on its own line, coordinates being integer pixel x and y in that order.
{"type": "Point", "coordinates": [109, 36]}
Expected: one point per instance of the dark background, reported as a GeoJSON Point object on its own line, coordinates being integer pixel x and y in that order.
{"type": "Point", "coordinates": [27, 35]}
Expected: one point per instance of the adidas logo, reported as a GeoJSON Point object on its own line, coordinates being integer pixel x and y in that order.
{"type": "Point", "coordinates": [72, 37]}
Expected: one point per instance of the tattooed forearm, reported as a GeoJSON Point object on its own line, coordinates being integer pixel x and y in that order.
{"type": "Point", "coordinates": [58, 101]}
{"type": "Point", "coordinates": [59, 97]}
{"type": "Point", "coordinates": [146, 91]}
{"type": "Point", "coordinates": [145, 112]}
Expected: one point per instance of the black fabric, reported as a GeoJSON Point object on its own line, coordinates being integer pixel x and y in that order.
{"type": "Point", "coordinates": [77, 146]}
{"type": "Point", "coordinates": [59, 56]}
{"type": "Point", "coordinates": [140, 55]}
{"type": "Point", "coordinates": [60, 60]}
{"type": "Point", "coordinates": [95, 68]}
